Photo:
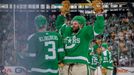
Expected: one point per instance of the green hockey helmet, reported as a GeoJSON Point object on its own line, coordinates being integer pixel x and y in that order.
{"type": "Point", "coordinates": [105, 45]}
{"type": "Point", "coordinates": [80, 19]}
{"type": "Point", "coordinates": [40, 21]}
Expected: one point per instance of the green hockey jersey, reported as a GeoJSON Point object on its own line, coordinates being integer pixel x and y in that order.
{"type": "Point", "coordinates": [45, 50]}
{"type": "Point", "coordinates": [106, 59]}
{"type": "Point", "coordinates": [76, 45]}
{"type": "Point", "coordinates": [93, 59]}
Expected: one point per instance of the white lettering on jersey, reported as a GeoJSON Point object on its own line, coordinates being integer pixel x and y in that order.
{"type": "Point", "coordinates": [70, 42]}
{"type": "Point", "coordinates": [44, 38]}
{"type": "Point", "coordinates": [70, 46]}
{"type": "Point", "coordinates": [52, 50]}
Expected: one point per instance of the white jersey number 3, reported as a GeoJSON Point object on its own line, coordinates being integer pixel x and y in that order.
{"type": "Point", "coordinates": [52, 50]}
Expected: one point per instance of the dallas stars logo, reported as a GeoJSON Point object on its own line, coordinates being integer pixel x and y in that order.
{"type": "Point", "coordinates": [70, 42]}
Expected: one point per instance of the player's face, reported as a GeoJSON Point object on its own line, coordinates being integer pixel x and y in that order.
{"type": "Point", "coordinates": [76, 26]}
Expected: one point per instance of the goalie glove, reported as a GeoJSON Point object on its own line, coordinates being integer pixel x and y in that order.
{"type": "Point", "coordinates": [97, 6]}
{"type": "Point", "coordinates": [66, 7]}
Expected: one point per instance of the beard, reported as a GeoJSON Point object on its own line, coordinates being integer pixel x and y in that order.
{"type": "Point", "coordinates": [75, 30]}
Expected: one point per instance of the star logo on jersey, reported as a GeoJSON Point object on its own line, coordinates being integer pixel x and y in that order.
{"type": "Point", "coordinates": [70, 42]}
{"type": "Point", "coordinates": [67, 39]}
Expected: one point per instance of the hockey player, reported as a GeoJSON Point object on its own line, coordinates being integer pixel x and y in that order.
{"type": "Point", "coordinates": [45, 49]}
{"type": "Point", "coordinates": [106, 60]}
{"type": "Point", "coordinates": [93, 59]}
{"type": "Point", "coordinates": [96, 45]}
{"type": "Point", "coordinates": [77, 39]}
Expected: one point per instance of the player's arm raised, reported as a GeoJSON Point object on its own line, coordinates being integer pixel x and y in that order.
{"type": "Point", "coordinates": [61, 19]}
{"type": "Point", "coordinates": [99, 23]}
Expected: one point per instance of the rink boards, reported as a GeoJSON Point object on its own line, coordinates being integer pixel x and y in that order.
{"type": "Point", "coordinates": [18, 70]}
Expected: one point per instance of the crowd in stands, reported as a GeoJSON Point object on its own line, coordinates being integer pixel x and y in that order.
{"type": "Point", "coordinates": [6, 31]}
{"type": "Point", "coordinates": [119, 33]}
